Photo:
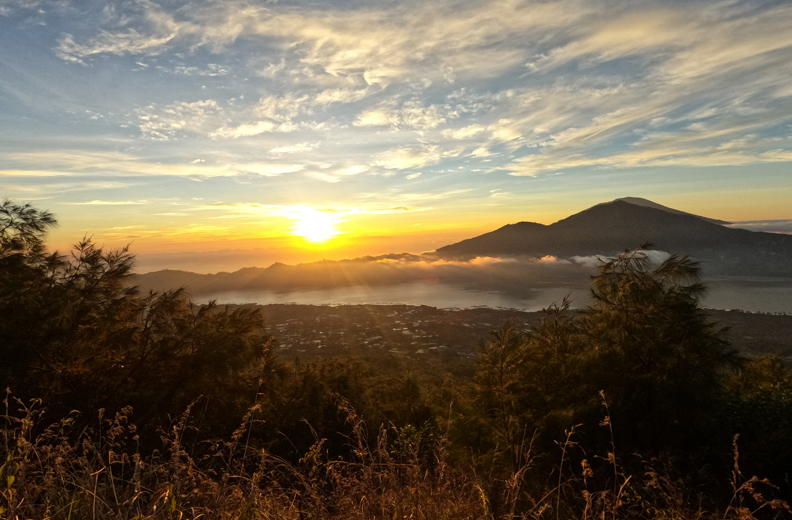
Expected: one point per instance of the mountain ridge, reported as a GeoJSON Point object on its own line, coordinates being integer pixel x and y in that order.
{"type": "Point", "coordinates": [638, 201]}
{"type": "Point", "coordinates": [602, 230]}
{"type": "Point", "coordinates": [611, 227]}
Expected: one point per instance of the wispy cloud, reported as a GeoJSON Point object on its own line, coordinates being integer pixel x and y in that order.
{"type": "Point", "coordinates": [244, 130]}
{"type": "Point", "coordinates": [292, 103]}
{"type": "Point", "coordinates": [109, 202]}
{"type": "Point", "coordinates": [295, 148]}
{"type": "Point", "coordinates": [9, 7]}
{"type": "Point", "coordinates": [165, 122]}
{"type": "Point", "coordinates": [410, 115]}
{"type": "Point", "coordinates": [404, 158]}
{"type": "Point", "coordinates": [77, 162]}
{"type": "Point", "coordinates": [160, 28]}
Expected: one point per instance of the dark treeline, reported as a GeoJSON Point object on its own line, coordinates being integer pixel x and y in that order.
{"type": "Point", "coordinates": [629, 409]}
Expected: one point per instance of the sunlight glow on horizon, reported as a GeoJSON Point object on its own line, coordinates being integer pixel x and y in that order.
{"type": "Point", "coordinates": [316, 226]}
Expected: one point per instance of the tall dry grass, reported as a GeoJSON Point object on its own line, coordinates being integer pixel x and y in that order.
{"type": "Point", "coordinates": [55, 472]}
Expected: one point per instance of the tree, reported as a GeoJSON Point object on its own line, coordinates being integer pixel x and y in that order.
{"type": "Point", "coordinates": [499, 390]}
{"type": "Point", "coordinates": [654, 352]}
{"type": "Point", "coordinates": [75, 332]}
{"type": "Point", "coordinates": [529, 383]}
{"type": "Point", "coordinates": [24, 268]}
{"type": "Point", "coordinates": [644, 340]}
{"type": "Point", "coordinates": [22, 229]}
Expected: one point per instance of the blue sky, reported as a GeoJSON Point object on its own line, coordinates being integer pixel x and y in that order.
{"type": "Point", "coordinates": [216, 125]}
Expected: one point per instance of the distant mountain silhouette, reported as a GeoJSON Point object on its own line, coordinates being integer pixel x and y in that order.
{"type": "Point", "coordinates": [605, 229]}
{"type": "Point", "coordinates": [520, 279]}
{"type": "Point", "coordinates": [608, 228]}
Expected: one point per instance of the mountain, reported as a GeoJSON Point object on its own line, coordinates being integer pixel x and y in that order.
{"type": "Point", "coordinates": [649, 204]}
{"type": "Point", "coordinates": [611, 227]}
{"type": "Point", "coordinates": [381, 270]}
{"type": "Point", "coordinates": [605, 229]}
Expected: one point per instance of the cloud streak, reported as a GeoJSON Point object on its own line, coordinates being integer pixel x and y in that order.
{"type": "Point", "coordinates": [463, 111]}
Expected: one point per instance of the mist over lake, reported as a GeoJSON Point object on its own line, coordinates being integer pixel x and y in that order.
{"type": "Point", "coordinates": [772, 296]}
{"type": "Point", "coordinates": [522, 283]}
{"type": "Point", "coordinates": [437, 295]}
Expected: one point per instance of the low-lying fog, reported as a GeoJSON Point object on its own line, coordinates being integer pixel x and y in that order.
{"type": "Point", "coordinates": [722, 295]}
{"type": "Point", "coordinates": [519, 283]}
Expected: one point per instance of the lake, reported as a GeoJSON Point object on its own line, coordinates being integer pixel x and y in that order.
{"type": "Point", "coordinates": [769, 296]}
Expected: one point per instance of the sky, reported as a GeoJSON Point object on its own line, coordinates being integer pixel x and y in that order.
{"type": "Point", "coordinates": [219, 134]}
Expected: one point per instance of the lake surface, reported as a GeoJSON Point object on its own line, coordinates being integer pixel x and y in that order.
{"type": "Point", "coordinates": [772, 296]}
{"type": "Point", "coordinates": [433, 295]}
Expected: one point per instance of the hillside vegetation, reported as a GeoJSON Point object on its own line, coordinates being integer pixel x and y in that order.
{"type": "Point", "coordinates": [126, 405]}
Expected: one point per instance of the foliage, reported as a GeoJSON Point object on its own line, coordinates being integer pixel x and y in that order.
{"type": "Point", "coordinates": [530, 382]}
{"type": "Point", "coordinates": [60, 471]}
{"type": "Point", "coordinates": [544, 424]}
{"type": "Point", "coordinates": [654, 352]}
{"type": "Point", "coordinates": [644, 341]}
{"type": "Point", "coordinates": [759, 408]}
{"type": "Point", "coordinates": [22, 229]}
{"type": "Point", "coordinates": [72, 330]}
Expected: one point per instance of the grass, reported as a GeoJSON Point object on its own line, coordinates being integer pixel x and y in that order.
{"type": "Point", "coordinates": [52, 471]}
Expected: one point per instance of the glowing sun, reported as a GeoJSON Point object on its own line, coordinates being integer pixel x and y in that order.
{"type": "Point", "coordinates": [316, 226]}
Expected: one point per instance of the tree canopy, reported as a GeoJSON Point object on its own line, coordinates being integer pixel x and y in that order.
{"type": "Point", "coordinates": [75, 332]}
{"type": "Point", "coordinates": [644, 342]}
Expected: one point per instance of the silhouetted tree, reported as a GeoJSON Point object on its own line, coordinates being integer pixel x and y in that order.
{"type": "Point", "coordinates": [24, 277]}
{"type": "Point", "coordinates": [499, 390]}
{"type": "Point", "coordinates": [74, 332]}
{"type": "Point", "coordinates": [660, 361]}
{"type": "Point", "coordinates": [644, 341]}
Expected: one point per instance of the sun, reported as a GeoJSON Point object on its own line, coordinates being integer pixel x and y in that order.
{"type": "Point", "coordinates": [315, 226]}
